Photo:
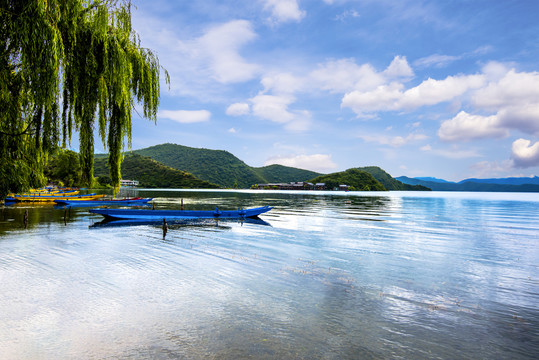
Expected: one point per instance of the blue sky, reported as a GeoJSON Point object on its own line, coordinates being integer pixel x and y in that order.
{"type": "Point", "coordinates": [420, 88]}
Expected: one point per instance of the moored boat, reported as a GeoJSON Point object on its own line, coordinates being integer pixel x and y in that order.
{"type": "Point", "coordinates": [140, 214]}
{"type": "Point", "coordinates": [100, 202]}
{"type": "Point", "coordinates": [51, 198]}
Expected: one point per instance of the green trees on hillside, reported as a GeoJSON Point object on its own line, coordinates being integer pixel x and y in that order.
{"type": "Point", "coordinates": [221, 167]}
{"type": "Point", "coordinates": [280, 173]}
{"type": "Point", "coordinates": [358, 179]}
{"type": "Point", "coordinates": [152, 174]}
{"type": "Point", "coordinates": [68, 65]}
{"type": "Point", "coordinates": [216, 166]}
{"type": "Point", "coordinates": [389, 182]}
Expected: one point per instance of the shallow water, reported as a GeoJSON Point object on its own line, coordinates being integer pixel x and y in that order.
{"type": "Point", "coordinates": [323, 275]}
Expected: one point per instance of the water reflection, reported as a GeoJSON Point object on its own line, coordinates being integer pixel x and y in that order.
{"type": "Point", "coordinates": [320, 276]}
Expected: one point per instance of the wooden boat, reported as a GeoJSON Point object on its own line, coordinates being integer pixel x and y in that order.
{"type": "Point", "coordinates": [183, 222]}
{"type": "Point", "coordinates": [139, 214]}
{"type": "Point", "coordinates": [100, 202]}
{"type": "Point", "coordinates": [51, 198]}
{"type": "Point", "coordinates": [48, 194]}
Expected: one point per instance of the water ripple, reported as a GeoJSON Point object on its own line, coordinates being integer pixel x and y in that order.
{"type": "Point", "coordinates": [391, 275]}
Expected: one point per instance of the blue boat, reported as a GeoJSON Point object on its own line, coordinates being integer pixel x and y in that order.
{"type": "Point", "coordinates": [139, 214]}
{"type": "Point", "coordinates": [180, 222]}
{"type": "Point", "coordinates": [118, 202]}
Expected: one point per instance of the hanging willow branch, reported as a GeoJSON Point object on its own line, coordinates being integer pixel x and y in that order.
{"type": "Point", "coordinates": [84, 56]}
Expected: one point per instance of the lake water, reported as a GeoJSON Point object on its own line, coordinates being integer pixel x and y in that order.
{"type": "Point", "coordinates": [324, 275]}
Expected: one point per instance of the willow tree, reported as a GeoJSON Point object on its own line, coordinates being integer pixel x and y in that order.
{"type": "Point", "coordinates": [66, 66]}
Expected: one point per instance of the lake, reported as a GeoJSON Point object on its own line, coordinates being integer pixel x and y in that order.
{"type": "Point", "coordinates": [323, 275]}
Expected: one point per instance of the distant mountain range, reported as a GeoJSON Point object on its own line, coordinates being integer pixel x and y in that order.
{"type": "Point", "coordinates": [171, 165]}
{"type": "Point", "coordinates": [512, 184]}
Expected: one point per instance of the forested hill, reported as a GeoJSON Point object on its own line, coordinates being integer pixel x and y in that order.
{"type": "Point", "coordinates": [284, 174]}
{"type": "Point", "coordinates": [152, 174]}
{"type": "Point", "coordinates": [221, 167]}
{"type": "Point", "coordinates": [389, 182]}
{"type": "Point", "coordinates": [358, 180]}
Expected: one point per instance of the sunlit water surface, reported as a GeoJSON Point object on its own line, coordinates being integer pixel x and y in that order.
{"type": "Point", "coordinates": [322, 276]}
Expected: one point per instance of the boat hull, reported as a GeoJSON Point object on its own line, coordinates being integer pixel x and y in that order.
{"type": "Point", "coordinates": [120, 202]}
{"type": "Point", "coordinates": [137, 214]}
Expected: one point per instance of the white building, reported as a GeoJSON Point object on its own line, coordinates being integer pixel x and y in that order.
{"type": "Point", "coordinates": [128, 183]}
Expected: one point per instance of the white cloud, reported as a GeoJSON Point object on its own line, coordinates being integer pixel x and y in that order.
{"type": "Point", "coordinates": [440, 61]}
{"type": "Point", "coordinates": [384, 97]}
{"type": "Point", "coordinates": [344, 75]}
{"type": "Point", "coordinates": [272, 107]}
{"type": "Point", "coordinates": [394, 141]}
{"type": "Point", "coordinates": [199, 65]}
{"type": "Point", "coordinates": [512, 89]}
{"type": "Point", "coordinates": [232, 131]}
{"type": "Point", "coordinates": [399, 68]}
{"type": "Point", "coordinates": [436, 60]}
{"type": "Point", "coordinates": [221, 44]}
{"type": "Point", "coordinates": [431, 92]}
{"type": "Point", "coordinates": [282, 83]}
{"type": "Point", "coordinates": [392, 97]}
{"type": "Point", "coordinates": [495, 70]}
{"type": "Point", "coordinates": [464, 127]}
{"type": "Point", "coordinates": [284, 10]}
{"type": "Point", "coordinates": [512, 96]}
{"type": "Point", "coordinates": [275, 108]}
{"type": "Point", "coordinates": [185, 116]}
{"type": "Point", "coordinates": [453, 153]}
{"type": "Point", "coordinates": [238, 109]}
{"type": "Point", "coordinates": [524, 118]}
{"type": "Point", "coordinates": [524, 154]}
{"type": "Point", "coordinates": [345, 15]}
{"type": "Point", "coordinates": [488, 169]}
{"type": "Point", "coordinates": [316, 162]}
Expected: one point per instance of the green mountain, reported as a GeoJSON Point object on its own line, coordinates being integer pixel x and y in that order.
{"type": "Point", "coordinates": [359, 179]}
{"type": "Point", "coordinates": [221, 167]}
{"type": "Point", "coordinates": [389, 182]}
{"type": "Point", "coordinates": [152, 174]}
{"type": "Point", "coordinates": [216, 166]}
{"type": "Point", "coordinates": [284, 174]}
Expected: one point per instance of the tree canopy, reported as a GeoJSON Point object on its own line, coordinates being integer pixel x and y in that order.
{"type": "Point", "coordinates": [359, 179]}
{"type": "Point", "coordinates": [65, 66]}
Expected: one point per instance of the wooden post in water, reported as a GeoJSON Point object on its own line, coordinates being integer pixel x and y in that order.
{"type": "Point", "coordinates": [181, 206]}
{"type": "Point", "coordinates": [165, 228]}
{"type": "Point", "coordinates": [25, 220]}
